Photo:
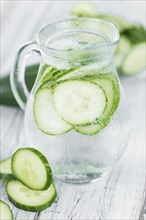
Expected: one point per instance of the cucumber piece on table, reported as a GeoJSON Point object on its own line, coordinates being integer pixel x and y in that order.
{"type": "Point", "coordinates": [135, 61]}
{"type": "Point", "coordinates": [30, 200]}
{"type": "Point", "coordinates": [79, 102]}
{"type": "Point", "coordinates": [45, 115]}
{"type": "Point", "coordinates": [123, 46]}
{"type": "Point", "coordinates": [5, 211]}
{"type": "Point", "coordinates": [122, 49]}
{"type": "Point", "coordinates": [31, 168]}
{"type": "Point", "coordinates": [110, 85]}
{"type": "Point", "coordinates": [5, 168]}
{"type": "Point", "coordinates": [121, 23]}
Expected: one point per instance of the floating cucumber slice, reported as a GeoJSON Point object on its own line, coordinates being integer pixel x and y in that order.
{"type": "Point", "coordinates": [45, 115]}
{"type": "Point", "coordinates": [30, 200]}
{"type": "Point", "coordinates": [5, 168]}
{"type": "Point", "coordinates": [82, 72]}
{"type": "Point", "coordinates": [32, 168]}
{"type": "Point", "coordinates": [5, 211]}
{"type": "Point", "coordinates": [50, 73]}
{"type": "Point", "coordinates": [79, 102]}
{"type": "Point", "coordinates": [135, 61]}
{"type": "Point", "coordinates": [110, 85]}
{"type": "Point", "coordinates": [123, 46]}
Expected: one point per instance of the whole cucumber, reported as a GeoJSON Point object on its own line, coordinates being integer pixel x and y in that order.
{"type": "Point", "coordinates": [6, 95]}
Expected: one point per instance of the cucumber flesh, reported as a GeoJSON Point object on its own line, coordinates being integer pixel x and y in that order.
{"type": "Point", "coordinates": [50, 73]}
{"type": "Point", "coordinates": [110, 85]}
{"type": "Point", "coordinates": [79, 102]}
{"type": "Point", "coordinates": [32, 168]}
{"type": "Point", "coordinates": [135, 61]}
{"type": "Point", "coordinates": [123, 46]}
{"type": "Point", "coordinates": [5, 211]}
{"type": "Point", "coordinates": [45, 115]}
{"type": "Point", "coordinates": [30, 200]}
{"type": "Point", "coordinates": [5, 168]}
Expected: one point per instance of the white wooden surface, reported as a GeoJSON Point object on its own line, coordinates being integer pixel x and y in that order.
{"type": "Point", "coordinates": [119, 196]}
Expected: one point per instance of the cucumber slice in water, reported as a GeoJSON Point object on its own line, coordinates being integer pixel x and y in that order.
{"type": "Point", "coordinates": [45, 115]}
{"type": "Point", "coordinates": [5, 168]}
{"type": "Point", "coordinates": [110, 85]}
{"type": "Point", "coordinates": [88, 130]}
{"type": "Point", "coordinates": [5, 211]}
{"type": "Point", "coordinates": [32, 168]}
{"type": "Point", "coordinates": [135, 61]}
{"type": "Point", "coordinates": [79, 102]}
{"type": "Point", "coordinates": [30, 200]}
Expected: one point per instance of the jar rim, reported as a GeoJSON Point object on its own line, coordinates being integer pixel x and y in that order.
{"type": "Point", "coordinates": [54, 28]}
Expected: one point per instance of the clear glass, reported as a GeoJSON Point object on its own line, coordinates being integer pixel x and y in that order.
{"type": "Point", "coordinates": [79, 50]}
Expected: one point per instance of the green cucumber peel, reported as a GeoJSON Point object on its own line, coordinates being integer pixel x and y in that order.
{"type": "Point", "coordinates": [5, 211]}
{"type": "Point", "coordinates": [25, 170]}
{"type": "Point", "coordinates": [30, 200]}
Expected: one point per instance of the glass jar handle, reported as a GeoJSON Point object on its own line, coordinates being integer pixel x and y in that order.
{"type": "Point", "coordinates": [17, 77]}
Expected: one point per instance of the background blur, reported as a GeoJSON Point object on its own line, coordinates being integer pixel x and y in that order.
{"type": "Point", "coordinates": [21, 20]}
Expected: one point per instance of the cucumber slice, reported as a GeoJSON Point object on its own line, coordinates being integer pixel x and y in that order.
{"type": "Point", "coordinates": [5, 168]}
{"type": "Point", "coordinates": [120, 22]}
{"type": "Point", "coordinates": [32, 168]}
{"type": "Point", "coordinates": [88, 130]}
{"type": "Point", "coordinates": [136, 33]}
{"type": "Point", "coordinates": [79, 102]}
{"type": "Point", "coordinates": [30, 200]}
{"type": "Point", "coordinates": [110, 85]}
{"type": "Point", "coordinates": [123, 46]}
{"type": "Point", "coordinates": [50, 73]}
{"type": "Point", "coordinates": [121, 50]}
{"type": "Point", "coordinates": [83, 71]}
{"type": "Point", "coordinates": [85, 9]}
{"type": "Point", "coordinates": [5, 211]}
{"type": "Point", "coordinates": [135, 61]}
{"type": "Point", "coordinates": [45, 115]}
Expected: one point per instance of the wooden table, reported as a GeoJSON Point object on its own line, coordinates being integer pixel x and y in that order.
{"type": "Point", "coordinates": [118, 196]}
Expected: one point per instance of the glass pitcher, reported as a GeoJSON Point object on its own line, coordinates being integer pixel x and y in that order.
{"type": "Point", "coordinates": [76, 113]}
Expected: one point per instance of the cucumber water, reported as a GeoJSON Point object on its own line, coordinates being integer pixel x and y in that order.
{"type": "Point", "coordinates": [74, 114]}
